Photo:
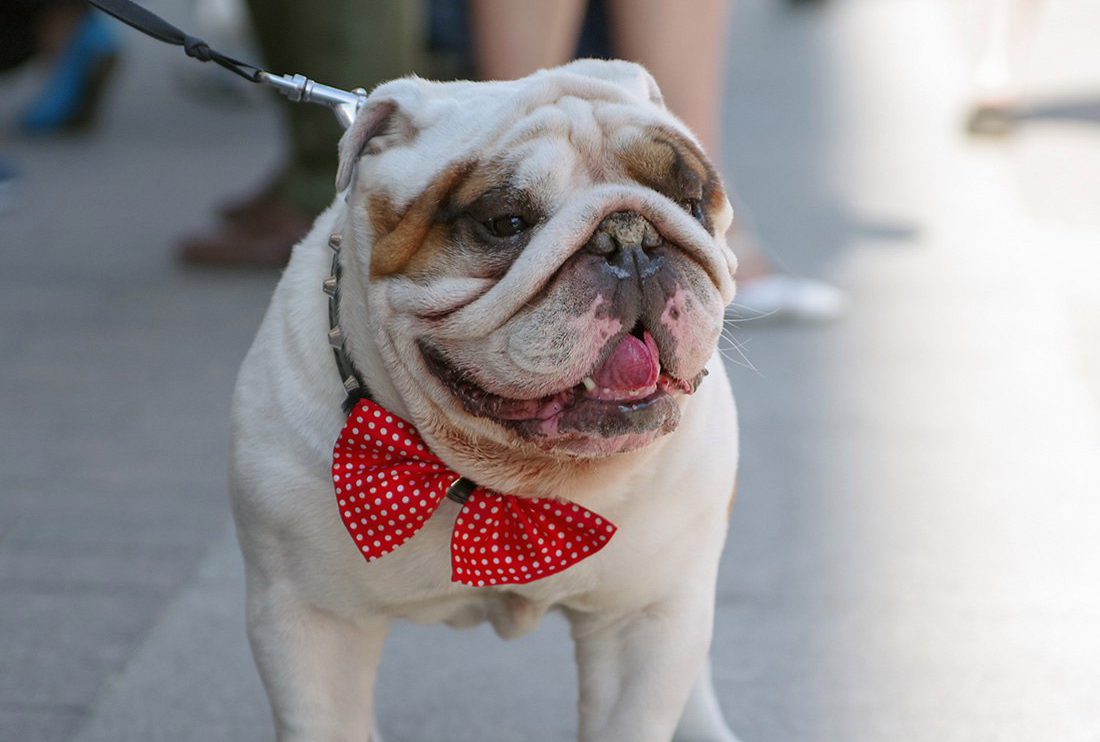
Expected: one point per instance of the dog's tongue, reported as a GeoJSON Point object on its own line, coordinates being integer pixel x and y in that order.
{"type": "Point", "coordinates": [633, 365]}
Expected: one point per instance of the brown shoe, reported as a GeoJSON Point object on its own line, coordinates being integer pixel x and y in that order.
{"type": "Point", "coordinates": [259, 238]}
{"type": "Point", "coordinates": [247, 207]}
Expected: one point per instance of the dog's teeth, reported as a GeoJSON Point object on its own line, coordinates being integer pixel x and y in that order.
{"type": "Point", "coordinates": [589, 383]}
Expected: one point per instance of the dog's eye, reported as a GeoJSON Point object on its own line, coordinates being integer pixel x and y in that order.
{"type": "Point", "coordinates": [507, 226]}
{"type": "Point", "coordinates": [693, 206]}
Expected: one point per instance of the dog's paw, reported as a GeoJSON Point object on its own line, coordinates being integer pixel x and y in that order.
{"type": "Point", "coordinates": [705, 730]}
{"type": "Point", "coordinates": [723, 735]}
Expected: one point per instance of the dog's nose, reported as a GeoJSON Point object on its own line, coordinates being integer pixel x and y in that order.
{"type": "Point", "coordinates": [624, 239]}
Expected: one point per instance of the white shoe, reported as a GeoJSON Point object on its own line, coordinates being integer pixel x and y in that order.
{"type": "Point", "coordinates": [779, 296]}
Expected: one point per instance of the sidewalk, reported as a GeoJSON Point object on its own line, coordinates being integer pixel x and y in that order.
{"type": "Point", "coordinates": [913, 555]}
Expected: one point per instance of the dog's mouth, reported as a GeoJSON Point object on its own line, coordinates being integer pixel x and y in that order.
{"type": "Point", "coordinates": [626, 394]}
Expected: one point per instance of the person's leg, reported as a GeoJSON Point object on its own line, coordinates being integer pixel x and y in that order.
{"type": "Point", "coordinates": [345, 43]}
{"type": "Point", "coordinates": [685, 52]}
{"type": "Point", "coordinates": [513, 38]}
{"type": "Point", "coordinates": [684, 49]}
{"type": "Point", "coordinates": [690, 75]}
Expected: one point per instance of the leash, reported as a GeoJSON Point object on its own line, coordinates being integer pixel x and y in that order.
{"type": "Point", "coordinates": [298, 88]}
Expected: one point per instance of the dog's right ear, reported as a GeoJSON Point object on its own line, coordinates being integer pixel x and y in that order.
{"type": "Point", "coordinates": [380, 124]}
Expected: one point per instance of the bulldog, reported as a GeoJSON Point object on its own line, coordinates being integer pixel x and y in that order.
{"type": "Point", "coordinates": [488, 386]}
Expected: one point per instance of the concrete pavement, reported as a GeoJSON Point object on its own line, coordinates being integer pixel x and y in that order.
{"type": "Point", "coordinates": [913, 556]}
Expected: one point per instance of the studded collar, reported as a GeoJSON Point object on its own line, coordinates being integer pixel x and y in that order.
{"type": "Point", "coordinates": [352, 381]}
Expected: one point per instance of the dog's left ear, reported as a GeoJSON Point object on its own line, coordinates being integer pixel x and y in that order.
{"type": "Point", "coordinates": [380, 124]}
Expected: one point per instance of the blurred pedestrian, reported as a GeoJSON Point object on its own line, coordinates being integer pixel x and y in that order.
{"type": "Point", "coordinates": [81, 49]}
{"type": "Point", "coordinates": [685, 53]}
{"type": "Point", "coordinates": [346, 43]}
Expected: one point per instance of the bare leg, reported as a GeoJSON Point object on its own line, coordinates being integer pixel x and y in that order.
{"type": "Point", "coordinates": [636, 676]}
{"type": "Point", "coordinates": [651, 32]}
{"type": "Point", "coordinates": [513, 38]}
{"type": "Point", "coordinates": [690, 77]}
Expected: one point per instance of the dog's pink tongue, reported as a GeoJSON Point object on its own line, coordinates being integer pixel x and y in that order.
{"type": "Point", "coordinates": [634, 364]}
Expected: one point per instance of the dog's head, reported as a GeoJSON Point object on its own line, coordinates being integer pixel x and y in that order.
{"type": "Point", "coordinates": [542, 262]}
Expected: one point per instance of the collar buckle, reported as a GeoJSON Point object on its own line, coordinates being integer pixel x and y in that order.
{"type": "Point", "coordinates": [460, 490]}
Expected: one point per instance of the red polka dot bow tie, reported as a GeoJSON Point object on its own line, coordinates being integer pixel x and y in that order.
{"type": "Point", "coordinates": [388, 485]}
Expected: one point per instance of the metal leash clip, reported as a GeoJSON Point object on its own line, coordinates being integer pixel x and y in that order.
{"type": "Point", "coordinates": [300, 89]}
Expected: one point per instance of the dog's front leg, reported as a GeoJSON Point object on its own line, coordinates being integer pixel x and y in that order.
{"type": "Point", "coordinates": [319, 670]}
{"type": "Point", "coordinates": [703, 720]}
{"type": "Point", "coordinates": [636, 672]}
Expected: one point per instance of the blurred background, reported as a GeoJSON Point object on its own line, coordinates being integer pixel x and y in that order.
{"type": "Point", "coordinates": [914, 554]}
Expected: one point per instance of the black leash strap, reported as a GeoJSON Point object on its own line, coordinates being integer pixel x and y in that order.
{"type": "Point", "coordinates": [135, 16]}
{"type": "Point", "coordinates": [344, 103]}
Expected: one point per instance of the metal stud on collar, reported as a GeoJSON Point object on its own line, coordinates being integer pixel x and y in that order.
{"type": "Point", "coordinates": [349, 378]}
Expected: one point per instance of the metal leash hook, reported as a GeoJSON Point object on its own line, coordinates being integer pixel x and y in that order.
{"type": "Point", "coordinates": [345, 104]}
{"type": "Point", "coordinates": [298, 88]}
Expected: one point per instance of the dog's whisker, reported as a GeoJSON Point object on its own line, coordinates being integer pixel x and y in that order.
{"type": "Point", "coordinates": [736, 345]}
{"type": "Point", "coordinates": [748, 314]}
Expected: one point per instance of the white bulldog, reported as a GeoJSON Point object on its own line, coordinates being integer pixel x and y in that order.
{"type": "Point", "coordinates": [532, 274]}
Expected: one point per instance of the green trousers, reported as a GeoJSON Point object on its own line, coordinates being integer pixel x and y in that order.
{"type": "Point", "coordinates": [344, 43]}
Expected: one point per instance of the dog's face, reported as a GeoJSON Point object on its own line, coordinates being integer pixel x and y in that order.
{"type": "Point", "coordinates": [543, 261]}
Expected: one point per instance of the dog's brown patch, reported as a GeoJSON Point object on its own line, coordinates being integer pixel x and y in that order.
{"type": "Point", "coordinates": [434, 236]}
{"type": "Point", "coordinates": [384, 216]}
{"type": "Point", "coordinates": [652, 162]}
{"type": "Point", "coordinates": [407, 236]}
{"type": "Point", "coordinates": [733, 498]}
{"type": "Point", "coordinates": [486, 178]}
{"type": "Point", "coordinates": [669, 163]}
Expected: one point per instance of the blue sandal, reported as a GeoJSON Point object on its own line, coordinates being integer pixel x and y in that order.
{"type": "Point", "coordinates": [74, 90]}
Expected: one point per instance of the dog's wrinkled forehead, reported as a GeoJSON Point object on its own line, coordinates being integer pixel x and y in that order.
{"type": "Point", "coordinates": [411, 129]}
